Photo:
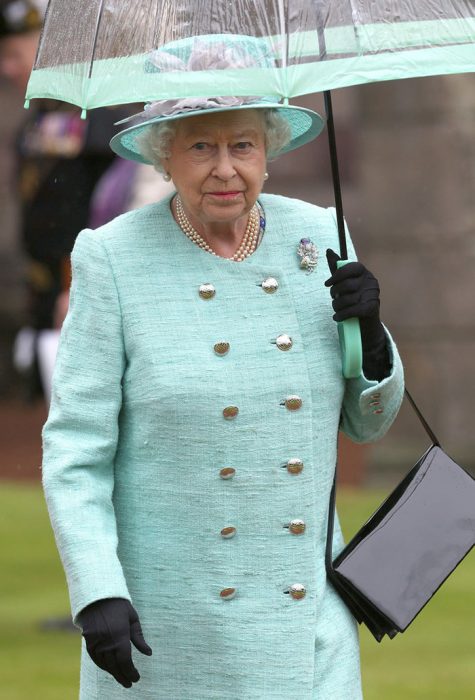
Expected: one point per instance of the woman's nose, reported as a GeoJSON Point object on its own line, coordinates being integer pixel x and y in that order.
{"type": "Point", "coordinates": [224, 167]}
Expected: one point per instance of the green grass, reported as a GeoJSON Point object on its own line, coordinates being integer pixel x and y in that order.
{"type": "Point", "coordinates": [34, 665]}
{"type": "Point", "coordinates": [433, 660]}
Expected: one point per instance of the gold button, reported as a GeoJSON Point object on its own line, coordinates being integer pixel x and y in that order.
{"type": "Point", "coordinates": [228, 593]}
{"type": "Point", "coordinates": [284, 342]}
{"type": "Point", "coordinates": [297, 526]}
{"type": "Point", "coordinates": [230, 412]}
{"type": "Point", "coordinates": [270, 285]}
{"type": "Point", "coordinates": [221, 348]}
{"type": "Point", "coordinates": [294, 465]}
{"type": "Point", "coordinates": [293, 402]}
{"type": "Point", "coordinates": [228, 532]}
{"type": "Point", "coordinates": [297, 591]}
{"type": "Point", "coordinates": [207, 291]}
{"type": "Point", "coordinates": [227, 473]}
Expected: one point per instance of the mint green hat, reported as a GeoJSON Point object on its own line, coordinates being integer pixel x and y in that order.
{"type": "Point", "coordinates": [212, 53]}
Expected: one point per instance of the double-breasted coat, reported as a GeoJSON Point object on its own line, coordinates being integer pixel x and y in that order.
{"type": "Point", "coordinates": [190, 450]}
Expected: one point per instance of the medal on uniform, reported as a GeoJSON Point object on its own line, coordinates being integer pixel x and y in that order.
{"type": "Point", "coordinates": [308, 254]}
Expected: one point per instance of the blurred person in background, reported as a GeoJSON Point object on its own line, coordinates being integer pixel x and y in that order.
{"type": "Point", "coordinates": [125, 186]}
{"type": "Point", "coordinates": [60, 159]}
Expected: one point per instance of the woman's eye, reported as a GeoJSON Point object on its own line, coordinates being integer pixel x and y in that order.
{"type": "Point", "coordinates": [201, 146]}
{"type": "Point", "coordinates": [243, 146]}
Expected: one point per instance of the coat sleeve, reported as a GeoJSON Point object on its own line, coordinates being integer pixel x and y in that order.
{"type": "Point", "coordinates": [81, 433]}
{"type": "Point", "coordinates": [370, 407]}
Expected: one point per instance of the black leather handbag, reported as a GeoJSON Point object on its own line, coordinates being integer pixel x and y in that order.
{"type": "Point", "coordinates": [400, 557]}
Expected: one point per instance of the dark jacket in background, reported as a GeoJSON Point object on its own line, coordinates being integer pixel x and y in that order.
{"type": "Point", "coordinates": [60, 160]}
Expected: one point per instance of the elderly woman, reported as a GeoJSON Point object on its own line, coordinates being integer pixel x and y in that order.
{"type": "Point", "coordinates": [192, 438]}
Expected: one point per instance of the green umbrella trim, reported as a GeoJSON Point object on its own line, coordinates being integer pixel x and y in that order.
{"type": "Point", "coordinates": [121, 81]}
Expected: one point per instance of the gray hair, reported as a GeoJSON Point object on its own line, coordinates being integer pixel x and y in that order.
{"type": "Point", "coordinates": [154, 142]}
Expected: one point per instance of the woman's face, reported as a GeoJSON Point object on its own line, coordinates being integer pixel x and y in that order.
{"type": "Point", "coordinates": [217, 163]}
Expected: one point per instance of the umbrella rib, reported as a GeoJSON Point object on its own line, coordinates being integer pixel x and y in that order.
{"type": "Point", "coordinates": [98, 23]}
{"type": "Point", "coordinates": [285, 38]}
{"type": "Point", "coordinates": [38, 48]}
{"type": "Point", "coordinates": [156, 30]}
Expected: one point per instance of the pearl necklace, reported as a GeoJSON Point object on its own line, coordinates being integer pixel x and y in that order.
{"type": "Point", "coordinates": [247, 245]}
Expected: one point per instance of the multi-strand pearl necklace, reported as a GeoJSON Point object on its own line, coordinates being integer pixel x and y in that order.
{"type": "Point", "coordinates": [249, 240]}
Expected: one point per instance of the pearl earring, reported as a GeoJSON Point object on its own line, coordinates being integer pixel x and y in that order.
{"type": "Point", "coordinates": [167, 177]}
{"type": "Point", "coordinates": [266, 176]}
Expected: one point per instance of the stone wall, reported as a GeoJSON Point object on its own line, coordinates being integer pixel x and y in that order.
{"type": "Point", "coordinates": [416, 226]}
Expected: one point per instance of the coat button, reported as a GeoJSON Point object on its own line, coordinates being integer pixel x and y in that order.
{"type": "Point", "coordinates": [284, 342]}
{"type": "Point", "coordinates": [221, 348]}
{"type": "Point", "coordinates": [293, 402]}
{"type": "Point", "coordinates": [227, 473]}
{"type": "Point", "coordinates": [297, 591]}
{"type": "Point", "coordinates": [230, 412]}
{"type": "Point", "coordinates": [207, 291]}
{"type": "Point", "coordinates": [270, 285]}
{"type": "Point", "coordinates": [379, 410]}
{"type": "Point", "coordinates": [228, 532]}
{"type": "Point", "coordinates": [294, 465]}
{"type": "Point", "coordinates": [296, 526]}
{"type": "Point", "coordinates": [227, 593]}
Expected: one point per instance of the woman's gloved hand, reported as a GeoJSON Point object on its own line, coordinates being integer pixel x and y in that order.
{"type": "Point", "coordinates": [355, 293]}
{"type": "Point", "coordinates": [108, 627]}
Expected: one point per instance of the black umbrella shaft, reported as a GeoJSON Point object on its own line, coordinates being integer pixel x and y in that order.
{"type": "Point", "coordinates": [335, 175]}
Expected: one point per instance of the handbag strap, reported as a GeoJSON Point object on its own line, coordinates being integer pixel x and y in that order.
{"type": "Point", "coordinates": [331, 510]}
{"type": "Point", "coordinates": [425, 424]}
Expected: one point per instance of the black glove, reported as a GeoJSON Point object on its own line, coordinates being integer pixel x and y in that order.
{"type": "Point", "coordinates": [355, 293]}
{"type": "Point", "coordinates": [108, 626]}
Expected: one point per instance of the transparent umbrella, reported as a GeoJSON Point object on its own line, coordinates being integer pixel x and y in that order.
{"type": "Point", "coordinates": [96, 53]}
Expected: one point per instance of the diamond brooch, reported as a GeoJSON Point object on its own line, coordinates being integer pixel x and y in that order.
{"type": "Point", "coordinates": [308, 254]}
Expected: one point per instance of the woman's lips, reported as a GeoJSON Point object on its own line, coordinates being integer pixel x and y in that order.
{"type": "Point", "coordinates": [225, 195]}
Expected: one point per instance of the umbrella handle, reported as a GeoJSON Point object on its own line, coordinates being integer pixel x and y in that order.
{"type": "Point", "coordinates": [350, 343]}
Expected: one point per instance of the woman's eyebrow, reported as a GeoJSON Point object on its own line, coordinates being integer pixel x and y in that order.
{"type": "Point", "coordinates": [205, 133]}
{"type": "Point", "coordinates": [246, 132]}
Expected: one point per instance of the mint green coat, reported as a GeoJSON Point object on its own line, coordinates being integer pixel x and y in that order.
{"type": "Point", "coordinates": [136, 440]}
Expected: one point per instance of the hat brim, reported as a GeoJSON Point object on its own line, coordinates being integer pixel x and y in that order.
{"type": "Point", "coordinates": [305, 125]}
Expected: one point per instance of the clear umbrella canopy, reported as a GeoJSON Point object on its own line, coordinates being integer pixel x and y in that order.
{"type": "Point", "coordinates": [103, 52]}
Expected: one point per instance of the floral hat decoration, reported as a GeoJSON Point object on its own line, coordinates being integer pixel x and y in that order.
{"type": "Point", "coordinates": [203, 54]}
